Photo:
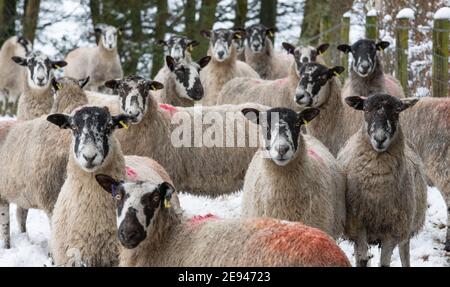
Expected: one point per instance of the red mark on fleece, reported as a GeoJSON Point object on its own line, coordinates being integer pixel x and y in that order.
{"type": "Point", "coordinates": [199, 219]}
{"type": "Point", "coordinates": [131, 173]}
{"type": "Point", "coordinates": [257, 81]}
{"type": "Point", "coordinates": [168, 108]}
{"type": "Point", "coordinates": [282, 82]}
{"type": "Point", "coordinates": [313, 154]}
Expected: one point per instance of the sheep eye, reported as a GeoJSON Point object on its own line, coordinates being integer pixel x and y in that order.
{"type": "Point", "coordinates": [118, 197]}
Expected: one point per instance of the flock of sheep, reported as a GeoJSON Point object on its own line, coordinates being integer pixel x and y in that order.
{"type": "Point", "coordinates": [349, 161]}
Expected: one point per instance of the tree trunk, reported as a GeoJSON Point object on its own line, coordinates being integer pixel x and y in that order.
{"type": "Point", "coordinates": [162, 15]}
{"type": "Point", "coordinates": [205, 22]}
{"type": "Point", "coordinates": [312, 14]}
{"type": "Point", "coordinates": [137, 36]}
{"type": "Point", "coordinates": [189, 19]}
{"type": "Point", "coordinates": [7, 17]}
{"type": "Point", "coordinates": [268, 14]}
{"type": "Point", "coordinates": [241, 13]}
{"type": "Point", "coordinates": [30, 18]}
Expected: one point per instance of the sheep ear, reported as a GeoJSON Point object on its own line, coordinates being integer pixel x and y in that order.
{"type": "Point", "coordinates": [121, 121]}
{"type": "Point", "coordinates": [270, 32]}
{"type": "Point", "coordinates": [307, 115]}
{"type": "Point", "coordinates": [335, 71]}
{"type": "Point", "coordinates": [83, 82]}
{"type": "Point", "coordinates": [206, 34]}
{"type": "Point", "coordinates": [382, 45]}
{"type": "Point", "coordinates": [170, 62]}
{"type": "Point", "coordinates": [56, 86]}
{"type": "Point", "coordinates": [154, 85]}
{"type": "Point", "coordinates": [322, 48]}
{"type": "Point", "coordinates": [113, 84]}
{"type": "Point", "coordinates": [252, 115]}
{"type": "Point", "coordinates": [120, 31]}
{"type": "Point", "coordinates": [193, 43]}
{"type": "Point", "coordinates": [344, 48]}
{"type": "Point", "coordinates": [58, 64]}
{"type": "Point", "coordinates": [408, 102]}
{"type": "Point", "coordinates": [19, 60]}
{"type": "Point", "coordinates": [61, 120]}
{"type": "Point", "coordinates": [203, 62]}
{"type": "Point", "coordinates": [98, 30]}
{"type": "Point", "coordinates": [161, 43]}
{"type": "Point", "coordinates": [108, 183]}
{"type": "Point", "coordinates": [355, 102]}
{"type": "Point", "coordinates": [238, 34]}
{"type": "Point", "coordinates": [289, 48]}
{"type": "Point", "coordinates": [165, 191]}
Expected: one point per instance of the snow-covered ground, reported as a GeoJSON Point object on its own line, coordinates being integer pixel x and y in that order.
{"type": "Point", "coordinates": [426, 247]}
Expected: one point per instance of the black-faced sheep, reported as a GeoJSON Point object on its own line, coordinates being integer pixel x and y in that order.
{"type": "Point", "coordinates": [294, 177]}
{"type": "Point", "coordinates": [387, 193]}
{"type": "Point", "coordinates": [153, 233]}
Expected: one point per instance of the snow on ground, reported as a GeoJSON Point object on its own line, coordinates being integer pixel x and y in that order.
{"type": "Point", "coordinates": [426, 247]}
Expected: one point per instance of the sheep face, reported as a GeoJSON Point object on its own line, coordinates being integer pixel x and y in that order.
{"type": "Point", "coordinates": [304, 54]}
{"type": "Point", "coordinates": [257, 37]}
{"type": "Point", "coordinates": [179, 47]}
{"type": "Point", "coordinates": [108, 36]}
{"type": "Point", "coordinates": [221, 41]}
{"type": "Point", "coordinates": [239, 43]}
{"type": "Point", "coordinates": [137, 205]}
{"type": "Point", "coordinates": [313, 86]}
{"type": "Point", "coordinates": [134, 93]}
{"type": "Point", "coordinates": [92, 129]}
{"type": "Point", "coordinates": [381, 116]}
{"type": "Point", "coordinates": [187, 77]}
{"type": "Point", "coordinates": [39, 69]}
{"type": "Point", "coordinates": [281, 130]}
{"type": "Point", "coordinates": [364, 54]}
{"type": "Point", "coordinates": [25, 46]}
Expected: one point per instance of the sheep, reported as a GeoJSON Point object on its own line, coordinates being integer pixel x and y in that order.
{"type": "Point", "coordinates": [11, 74]}
{"type": "Point", "coordinates": [367, 76]}
{"type": "Point", "coordinates": [294, 177]}
{"type": "Point", "coordinates": [224, 65]}
{"type": "Point", "coordinates": [36, 148]}
{"type": "Point", "coordinates": [386, 186]}
{"type": "Point", "coordinates": [260, 54]}
{"type": "Point", "coordinates": [154, 233]}
{"type": "Point", "coordinates": [195, 161]}
{"type": "Point", "coordinates": [273, 93]}
{"type": "Point", "coordinates": [239, 44]}
{"type": "Point", "coordinates": [182, 86]}
{"type": "Point", "coordinates": [36, 99]}
{"type": "Point", "coordinates": [100, 63]}
{"type": "Point", "coordinates": [180, 49]}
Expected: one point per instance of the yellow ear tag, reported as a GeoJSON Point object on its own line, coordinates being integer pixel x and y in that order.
{"type": "Point", "coordinates": [153, 88]}
{"type": "Point", "coordinates": [119, 32]}
{"type": "Point", "coordinates": [270, 34]}
{"type": "Point", "coordinates": [336, 74]}
{"type": "Point", "coordinates": [166, 203]}
{"type": "Point", "coordinates": [59, 86]}
{"type": "Point", "coordinates": [190, 48]}
{"type": "Point", "coordinates": [305, 122]}
{"type": "Point", "coordinates": [238, 36]}
{"type": "Point", "coordinates": [57, 67]}
{"type": "Point", "coordinates": [123, 124]}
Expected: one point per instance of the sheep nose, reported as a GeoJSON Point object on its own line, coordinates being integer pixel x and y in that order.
{"type": "Point", "coordinates": [380, 138]}
{"type": "Point", "coordinates": [256, 46]}
{"type": "Point", "coordinates": [40, 79]}
{"type": "Point", "coordinates": [283, 149]}
{"type": "Point", "coordinates": [134, 114]}
{"type": "Point", "coordinates": [221, 54]}
{"type": "Point", "coordinates": [90, 159]}
{"type": "Point", "coordinates": [129, 235]}
{"type": "Point", "coordinates": [305, 60]}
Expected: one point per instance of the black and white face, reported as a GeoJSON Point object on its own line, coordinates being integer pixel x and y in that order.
{"type": "Point", "coordinates": [108, 36]}
{"type": "Point", "coordinates": [257, 37]}
{"type": "Point", "coordinates": [187, 77]}
{"type": "Point", "coordinates": [134, 93]}
{"type": "Point", "coordinates": [137, 205]}
{"type": "Point", "coordinates": [304, 54]}
{"type": "Point", "coordinates": [221, 41]}
{"type": "Point", "coordinates": [381, 116]}
{"type": "Point", "coordinates": [39, 69]}
{"type": "Point", "coordinates": [364, 54]}
{"type": "Point", "coordinates": [239, 43]}
{"type": "Point", "coordinates": [281, 130]}
{"type": "Point", "coordinates": [313, 86]}
{"type": "Point", "coordinates": [179, 47]}
{"type": "Point", "coordinates": [92, 129]}
{"type": "Point", "coordinates": [25, 46]}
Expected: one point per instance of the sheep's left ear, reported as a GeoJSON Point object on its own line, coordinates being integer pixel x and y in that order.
{"type": "Point", "coordinates": [356, 102]}
{"type": "Point", "coordinates": [193, 43]}
{"type": "Point", "coordinates": [251, 115]}
{"type": "Point", "coordinates": [322, 48]}
{"type": "Point", "coordinates": [109, 184]}
{"type": "Point", "coordinates": [120, 31]}
{"type": "Point", "coordinates": [382, 45]}
{"type": "Point", "coordinates": [170, 62]}
{"type": "Point", "coordinates": [408, 102]}
{"type": "Point", "coordinates": [154, 85]}
{"type": "Point", "coordinates": [289, 48]}
{"type": "Point", "coordinates": [307, 115]}
{"type": "Point", "coordinates": [203, 62]}
{"type": "Point", "coordinates": [165, 192]}
{"type": "Point", "coordinates": [238, 34]}
{"type": "Point", "coordinates": [270, 32]}
{"type": "Point", "coordinates": [58, 64]}
{"type": "Point", "coordinates": [345, 48]}
{"type": "Point", "coordinates": [56, 85]}
{"type": "Point", "coordinates": [113, 84]}
{"type": "Point", "coordinates": [121, 121]}
{"type": "Point", "coordinates": [61, 120]}
{"type": "Point", "coordinates": [83, 82]}
{"type": "Point", "coordinates": [19, 60]}
{"type": "Point", "coordinates": [335, 71]}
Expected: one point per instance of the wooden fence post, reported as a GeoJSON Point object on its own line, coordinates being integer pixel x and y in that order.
{"type": "Point", "coordinates": [440, 52]}
{"type": "Point", "coordinates": [371, 25]}
{"type": "Point", "coordinates": [345, 39]}
{"type": "Point", "coordinates": [325, 35]}
{"type": "Point", "coordinates": [402, 35]}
